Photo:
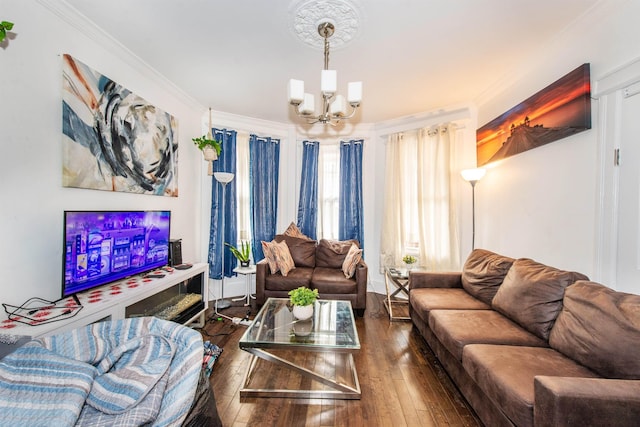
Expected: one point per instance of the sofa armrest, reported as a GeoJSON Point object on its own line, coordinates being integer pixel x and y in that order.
{"type": "Point", "coordinates": [432, 279]}
{"type": "Point", "coordinates": [262, 271]}
{"type": "Point", "coordinates": [564, 401]}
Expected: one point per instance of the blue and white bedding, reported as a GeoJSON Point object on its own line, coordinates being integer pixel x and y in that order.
{"type": "Point", "coordinates": [141, 371]}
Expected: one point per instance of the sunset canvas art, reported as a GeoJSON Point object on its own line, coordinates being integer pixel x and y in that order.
{"type": "Point", "coordinates": [558, 111]}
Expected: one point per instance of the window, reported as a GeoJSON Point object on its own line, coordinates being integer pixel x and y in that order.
{"type": "Point", "coordinates": [242, 187]}
{"type": "Point", "coordinates": [328, 191]}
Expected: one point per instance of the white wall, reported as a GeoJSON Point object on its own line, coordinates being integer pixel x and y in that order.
{"type": "Point", "coordinates": [31, 195]}
{"type": "Point", "coordinates": [542, 203]}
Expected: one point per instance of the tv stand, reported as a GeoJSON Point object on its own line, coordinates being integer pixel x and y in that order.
{"type": "Point", "coordinates": [180, 296]}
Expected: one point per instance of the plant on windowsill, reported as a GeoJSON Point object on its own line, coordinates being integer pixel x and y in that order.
{"type": "Point", "coordinates": [242, 254]}
{"type": "Point", "coordinates": [302, 300]}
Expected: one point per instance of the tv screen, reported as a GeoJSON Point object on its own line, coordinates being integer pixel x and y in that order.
{"type": "Point", "coordinates": [102, 247]}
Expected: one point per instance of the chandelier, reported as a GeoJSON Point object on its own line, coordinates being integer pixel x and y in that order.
{"type": "Point", "coordinates": [334, 107]}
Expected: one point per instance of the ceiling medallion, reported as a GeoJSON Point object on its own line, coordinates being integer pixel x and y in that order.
{"type": "Point", "coordinates": [307, 15]}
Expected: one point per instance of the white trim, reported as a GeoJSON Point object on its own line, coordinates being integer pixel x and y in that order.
{"type": "Point", "coordinates": [609, 91]}
{"type": "Point", "coordinates": [425, 119]}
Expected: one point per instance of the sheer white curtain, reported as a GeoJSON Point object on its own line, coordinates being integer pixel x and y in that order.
{"type": "Point", "coordinates": [242, 187]}
{"type": "Point", "coordinates": [328, 190]}
{"type": "Point", "coordinates": [419, 205]}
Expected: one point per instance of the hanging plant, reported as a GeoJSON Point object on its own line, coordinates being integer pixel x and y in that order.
{"type": "Point", "coordinates": [203, 142]}
{"type": "Point", "coordinates": [4, 27]}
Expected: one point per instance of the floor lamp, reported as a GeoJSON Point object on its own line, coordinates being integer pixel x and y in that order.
{"type": "Point", "coordinates": [223, 178]}
{"type": "Point", "coordinates": [472, 176]}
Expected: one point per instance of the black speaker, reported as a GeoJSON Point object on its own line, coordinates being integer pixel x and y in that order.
{"type": "Point", "coordinates": [175, 252]}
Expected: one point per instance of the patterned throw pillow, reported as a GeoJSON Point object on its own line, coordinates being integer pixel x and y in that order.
{"type": "Point", "coordinates": [351, 261]}
{"type": "Point", "coordinates": [283, 257]}
{"type": "Point", "coordinates": [268, 255]}
{"type": "Point", "coordinates": [294, 231]}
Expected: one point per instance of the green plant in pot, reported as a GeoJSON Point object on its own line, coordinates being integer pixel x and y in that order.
{"type": "Point", "coordinates": [302, 300]}
{"type": "Point", "coordinates": [409, 260]}
{"type": "Point", "coordinates": [210, 148]}
{"type": "Point", "coordinates": [242, 254]}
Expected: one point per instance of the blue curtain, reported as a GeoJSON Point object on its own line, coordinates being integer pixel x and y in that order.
{"type": "Point", "coordinates": [308, 203]}
{"type": "Point", "coordinates": [350, 216]}
{"type": "Point", "coordinates": [225, 163]}
{"type": "Point", "coordinates": [264, 165]}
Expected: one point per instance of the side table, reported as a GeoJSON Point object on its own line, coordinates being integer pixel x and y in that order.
{"type": "Point", "coordinates": [247, 272]}
{"type": "Point", "coordinates": [399, 278]}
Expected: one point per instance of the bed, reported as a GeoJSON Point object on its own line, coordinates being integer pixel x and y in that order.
{"type": "Point", "coordinates": [139, 371]}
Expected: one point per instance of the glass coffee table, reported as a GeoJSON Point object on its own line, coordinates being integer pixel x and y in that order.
{"type": "Point", "coordinates": [331, 330]}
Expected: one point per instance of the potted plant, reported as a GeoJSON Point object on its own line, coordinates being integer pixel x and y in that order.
{"type": "Point", "coordinates": [242, 254]}
{"type": "Point", "coordinates": [210, 148]}
{"type": "Point", "coordinates": [302, 300]}
{"type": "Point", "coordinates": [409, 260]}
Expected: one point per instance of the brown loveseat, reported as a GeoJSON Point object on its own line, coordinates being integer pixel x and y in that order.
{"type": "Point", "coordinates": [318, 265]}
{"type": "Point", "coordinates": [531, 345]}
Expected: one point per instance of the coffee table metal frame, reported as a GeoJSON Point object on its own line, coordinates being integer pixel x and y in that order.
{"type": "Point", "coordinates": [400, 279]}
{"type": "Point", "coordinates": [259, 348]}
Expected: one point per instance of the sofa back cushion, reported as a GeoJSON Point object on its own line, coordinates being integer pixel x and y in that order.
{"type": "Point", "coordinates": [532, 293]}
{"type": "Point", "coordinates": [599, 328]}
{"type": "Point", "coordinates": [303, 251]}
{"type": "Point", "coordinates": [331, 253]}
{"type": "Point", "coordinates": [483, 273]}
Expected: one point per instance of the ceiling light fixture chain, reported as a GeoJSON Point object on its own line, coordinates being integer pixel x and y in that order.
{"type": "Point", "coordinates": [334, 107]}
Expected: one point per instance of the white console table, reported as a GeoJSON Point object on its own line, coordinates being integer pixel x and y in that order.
{"type": "Point", "coordinates": [132, 297]}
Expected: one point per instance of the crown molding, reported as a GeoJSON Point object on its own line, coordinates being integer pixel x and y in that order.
{"type": "Point", "coordinates": [74, 18]}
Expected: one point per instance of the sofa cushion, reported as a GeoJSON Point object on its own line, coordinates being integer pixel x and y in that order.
{"type": "Point", "coordinates": [506, 373]}
{"type": "Point", "coordinates": [294, 231]}
{"type": "Point", "coordinates": [457, 328]}
{"type": "Point", "coordinates": [600, 328]}
{"type": "Point", "coordinates": [424, 300]}
{"type": "Point", "coordinates": [351, 261]}
{"type": "Point", "coordinates": [483, 273]}
{"type": "Point", "coordinates": [331, 253]}
{"type": "Point", "coordinates": [269, 256]}
{"type": "Point", "coordinates": [332, 281]}
{"type": "Point", "coordinates": [303, 251]}
{"type": "Point", "coordinates": [300, 276]}
{"type": "Point", "coordinates": [532, 293]}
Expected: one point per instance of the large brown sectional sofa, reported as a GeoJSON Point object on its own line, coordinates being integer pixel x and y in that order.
{"type": "Point", "coordinates": [318, 265]}
{"type": "Point", "coordinates": [532, 345]}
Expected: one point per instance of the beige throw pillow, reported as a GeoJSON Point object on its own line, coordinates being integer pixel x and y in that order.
{"type": "Point", "coordinates": [351, 261]}
{"type": "Point", "coordinates": [294, 231]}
{"type": "Point", "coordinates": [283, 257]}
{"type": "Point", "coordinates": [268, 255]}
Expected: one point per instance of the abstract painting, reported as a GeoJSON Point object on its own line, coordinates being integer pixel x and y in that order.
{"type": "Point", "coordinates": [561, 109]}
{"type": "Point", "coordinates": [113, 139]}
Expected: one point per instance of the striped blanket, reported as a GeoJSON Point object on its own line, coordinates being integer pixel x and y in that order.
{"type": "Point", "coordinates": [130, 372]}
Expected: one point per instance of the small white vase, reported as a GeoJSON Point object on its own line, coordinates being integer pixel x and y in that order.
{"type": "Point", "coordinates": [301, 312]}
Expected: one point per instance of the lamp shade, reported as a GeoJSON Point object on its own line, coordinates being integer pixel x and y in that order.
{"type": "Point", "coordinates": [223, 177]}
{"type": "Point", "coordinates": [473, 175]}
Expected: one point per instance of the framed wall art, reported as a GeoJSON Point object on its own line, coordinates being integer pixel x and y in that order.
{"type": "Point", "coordinates": [114, 140]}
{"type": "Point", "coordinates": [561, 109]}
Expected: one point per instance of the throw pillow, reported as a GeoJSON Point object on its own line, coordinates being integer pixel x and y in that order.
{"type": "Point", "coordinates": [283, 257]}
{"type": "Point", "coordinates": [351, 261]}
{"type": "Point", "coordinates": [268, 255]}
{"type": "Point", "coordinates": [303, 251]}
{"type": "Point", "coordinates": [331, 253]}
{"type": "Point", "coordinates": [294, 231]}
{"type": "Point", "coordinates": [532, 294]}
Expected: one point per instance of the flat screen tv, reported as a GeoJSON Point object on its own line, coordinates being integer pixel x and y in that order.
{"type": "Point", "coordinates": [102, 247]}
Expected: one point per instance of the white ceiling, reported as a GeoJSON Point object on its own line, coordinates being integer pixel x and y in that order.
{"type": "Point", "coordinates": [412, 56]}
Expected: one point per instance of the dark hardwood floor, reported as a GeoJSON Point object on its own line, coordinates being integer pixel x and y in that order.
{"type": "Point", "coordinates": [402, 382]}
